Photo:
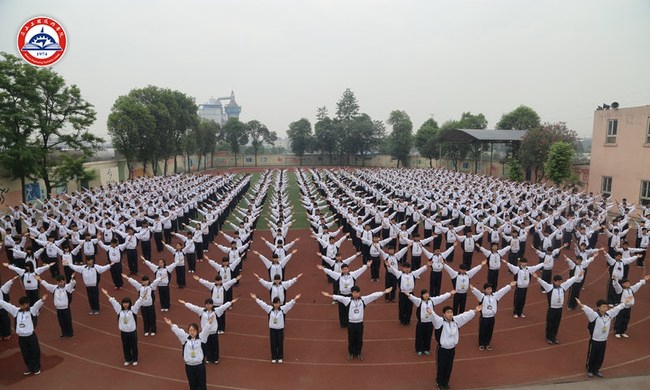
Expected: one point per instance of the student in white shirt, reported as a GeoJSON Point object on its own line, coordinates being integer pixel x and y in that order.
{"type": "Point", "coordinates": [62, 294]}
{"type": "Point", "coordinates": [522, 274]}
{"type": "Point", "coordinates": [146, 293]}
{"type": "Point", "coordinates": [356, 305]}
{"type": "Point", "coordinates": [447, 336]}
{"type": "Point", "coordinates": [25, 316]}
{"type": "Point", "coordinates": [127, 323]}
{"type": "Point", "coordinates": [489, 302]}
{"type": "Point", "coordinates": [28, 277]}
{"type": "Point", "coordinates": [5, 327]}
{"type": "Point", "coordinates": [163, 272]}
{"type": "Point", "coordinates": [625, 290]}
{"type": "Point", "coordinates": [599, 325]}
{"type": "Point", "coordinates": [424, 313]}
{"type": "Point", "coordinates": [276, 313]}
{"type": "Point", "coordinates": [218, 293]}
{"type": "Point", "coordinates": [555, 293]}
{"type": "Point", "coordinates": [90, 274]}
{"type": "Point", "coordinates": [406, 281]}
{"type": "Point", "coordinates": [206, 313]}
{"type": "Point", "coordinates": [193, 342]}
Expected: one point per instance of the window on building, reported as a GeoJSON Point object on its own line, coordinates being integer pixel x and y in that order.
{"type": "Point", "coordinates": [647, 132]}
{"type": "Point", "coordinates": [612, 130]}
{"type": "Point", "coordinates": [465, 165]}
{"type": "Point", "coordinates": [606, 186]}
{"type": "Point", "coordinates": [644, 198]}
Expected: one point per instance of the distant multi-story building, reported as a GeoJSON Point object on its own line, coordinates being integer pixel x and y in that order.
{"type": "Point", "coordinates": [620, 154]}
{"type": "Point", "coordinates": [216, 111]}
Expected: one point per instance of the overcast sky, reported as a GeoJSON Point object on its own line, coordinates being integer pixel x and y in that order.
{"type": "Point", "coordinates": [285, 58]}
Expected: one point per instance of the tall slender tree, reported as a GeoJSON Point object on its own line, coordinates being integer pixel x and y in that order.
{"type": "Point", "coordinates": [300, 137]}
{"type": "Point", "coordinates": [259, 135]}
{"type": "Point", "coordinates": [400, 140]}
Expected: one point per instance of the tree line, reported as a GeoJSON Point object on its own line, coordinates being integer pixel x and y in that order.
{"type": "Point", "coordinates": [43, 126]}
{"type": "Point", "coordinates": [151, 124]}
{"type": "Point", "coordinates": [355, 135]}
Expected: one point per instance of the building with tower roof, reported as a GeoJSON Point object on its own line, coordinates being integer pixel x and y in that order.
{"type": "Point", "coordinates": [216, 111]}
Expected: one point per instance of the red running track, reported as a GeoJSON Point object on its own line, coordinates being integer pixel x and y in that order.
{"type": "Point", "coordinates": [315, 346]}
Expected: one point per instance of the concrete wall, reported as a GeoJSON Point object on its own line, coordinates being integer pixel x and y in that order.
{"type": "Point", "coordinates": [627, 160]}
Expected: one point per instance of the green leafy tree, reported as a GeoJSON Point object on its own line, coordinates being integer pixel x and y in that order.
{"type": "Point", "coordinates": [62, 118]}
{"type": "Point", "coordinates": [515, 172]}
{"type": "Point", "coordinates": [365, 136]}
{"type": "Point", "coordinates": [537, 142]}
{"type": "Point", "coordinates": [455, 152]}
{"type": "Point", "coordinates": [347, 107]}
{"type": "Point", "coordinates": [132, 130]}
{"type": "Point", "coordinates": [326, 136]}
{"type": "Point", "coordinates": [72, 168]}
{"type": "Point", "coordinates": [521, 118]}
{"type": "Point", "coordinates": [426, 140]}
{"type": "Point", "coordinates": [235, 135]}
{"type": "Point", "coordinates": [184, 119]}
{"type": "Point", "coordinates": [19, 156]}
{"type": "Point", "coordinates": [300, 137]}
{"type": "Point", "coordinates": [559, 162]}
{"type": "Point", "coordinates": [259, 135]}
{"type": "Point", "coordinates": [400, 139]}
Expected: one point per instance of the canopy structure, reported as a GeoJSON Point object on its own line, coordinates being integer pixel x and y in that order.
{"type": "Point", "coordinates": [484, 136]}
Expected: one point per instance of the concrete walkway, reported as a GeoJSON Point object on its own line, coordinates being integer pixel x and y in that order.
{"type": "Point", "coordinates": [628, 383]}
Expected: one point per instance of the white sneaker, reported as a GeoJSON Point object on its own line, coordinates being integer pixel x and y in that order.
{"type": "Point", "coordinates": [618, 336]}
{"type": "Point", "coordinates": [522, 315]}
{"type": "Point", "coordinates": [625, 336]}
{"type": "Point", "coordinates": [152, 333]}
{"type": "Point", "coordinates": [146, 334]}
{"type": "Point", "coordinates": [135, 363]}
{"type": "Point", "coordinates": [279, 360]}
{"type": "Point", "coordinates": [516, 316]}
{"type": "Point", "coordinates": [274, 361]}
{"type": "Point", "coordinates": [126, 363]}
{"type": "Point", "coordinates": [220, 332]}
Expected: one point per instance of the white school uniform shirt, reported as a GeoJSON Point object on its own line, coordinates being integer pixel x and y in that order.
{"type": "Point", "coordinates": [218, 292]}
{"type": "Point", "coordinates": [557, 293]}
{"type": "Point", "coordinates": [192, 350]}
{"type": "Point", "coordinates": [523, 273]}
{"type": "Point", "coordinates": [462, 280]}
{"type": "Point", "coordinates": [449, 334]}
{"type": "Point", "coordinates": [89, 274]}
{"type": "Point", "coordinates": [205, 315]}
{"type": "Point", "coordinates": [602, 323]}
{"type": "Point", "coordinates": [278, 290]}
{"type": "Point", "coordinates": [407, 281]}
{"type": "Point", "coordinates": [126, 319]}
{"type": "Point", "coordinates": [61, 300]}
{"type": "Point", "coordinates": [626, 292]}
{"type": "Point", "coordinates": [356, 306]}
{"type": "Point", "coordinates": [144, 292]}
{"type": "Point", "coordinates": [276, 317]}
{"type": "Point", "coordinates": [489, 301]}
{"type": "Point", "coordinates": [29, 278]}
{"type": "Point", "coordinates": [24, 321]}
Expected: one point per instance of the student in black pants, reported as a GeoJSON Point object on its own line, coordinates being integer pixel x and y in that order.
{"type": "Point", "coordinates": [356, 305]}
{"type": "Point", "coordinates": [127, 323]}
{"type": "Point", "coordinates": [192, 341]}
{"type": "Point", "coordinates": [424, 314]}
{"type": "Point", "coordinates": [276, 315]}
{"type": "Point", "coordinates": [447, 336]}
{"type": "Point", "coordinates": [25, 329]}
{"type": "Point", "coordinates": [205, 313]}
{"type": "Point", "coordinates": [62, 299]}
